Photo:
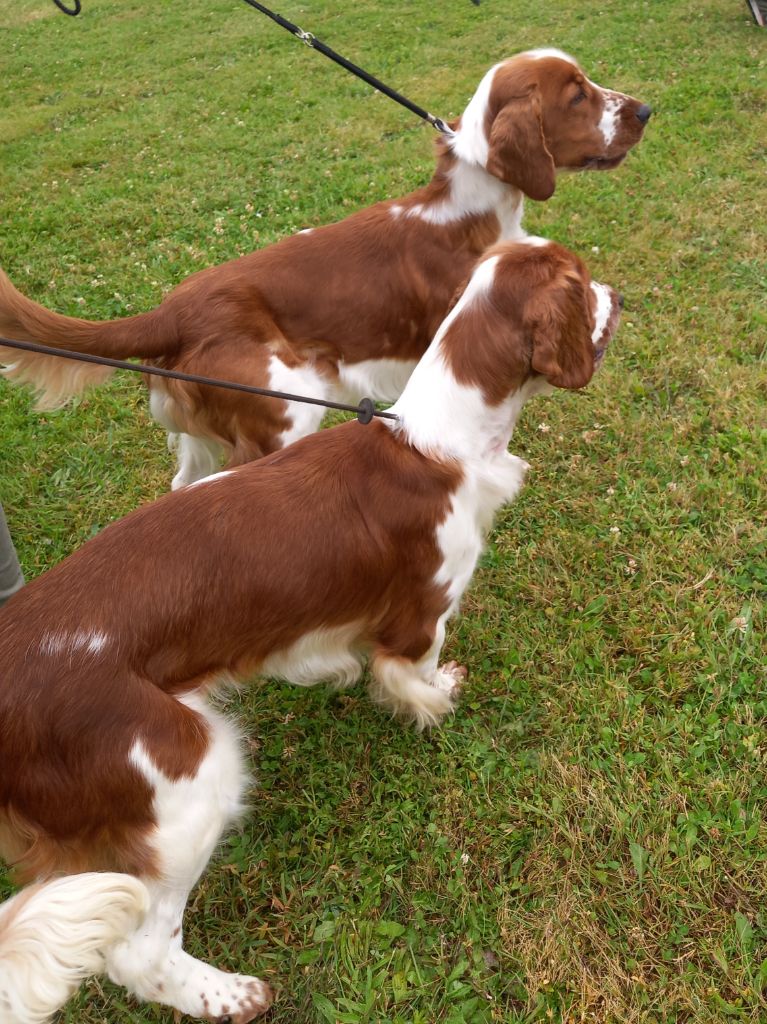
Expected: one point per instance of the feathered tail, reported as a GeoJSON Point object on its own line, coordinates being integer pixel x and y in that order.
{"type": "Point", "coordinates": [54, 379]}
{"type": "Point", "coordinates": [53, 937]}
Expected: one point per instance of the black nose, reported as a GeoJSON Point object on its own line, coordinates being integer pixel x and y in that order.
{"type": "Point", "coordinates": [621, 301]}
{"type": "Point", "coordinates": [644, 113]}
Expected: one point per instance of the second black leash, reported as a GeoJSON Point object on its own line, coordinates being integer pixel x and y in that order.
{"type": "Point", "coordinates": [365, 411]}
{"type": "Point", "coordinates": [317, 44]}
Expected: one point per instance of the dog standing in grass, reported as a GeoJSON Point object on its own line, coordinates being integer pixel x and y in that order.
{"type": "Point", "coordinates": [342, 311]}
{"type": "Point", "coordinates": [351, 545]}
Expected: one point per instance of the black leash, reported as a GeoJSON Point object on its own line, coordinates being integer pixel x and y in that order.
{"type": "Point", "coordinates": [365, 410]}
{"type": "Point", "coordinates": [317, 44]}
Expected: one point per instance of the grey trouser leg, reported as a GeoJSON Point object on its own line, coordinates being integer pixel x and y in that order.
{"type": "Point", "coordinates": [10, 570]}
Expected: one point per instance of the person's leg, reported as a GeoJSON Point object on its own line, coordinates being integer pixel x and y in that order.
{"type": "Point", "coordinates": [11, 578]}
{"type": "Point", "coordinates": [758, 10]}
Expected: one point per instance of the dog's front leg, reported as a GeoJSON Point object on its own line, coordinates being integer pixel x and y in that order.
{"type": "Point", "coordinates": [419, 690]}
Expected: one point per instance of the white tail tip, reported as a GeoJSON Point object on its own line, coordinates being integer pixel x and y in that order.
{"type": "Point", "coordinates": [53, 936]}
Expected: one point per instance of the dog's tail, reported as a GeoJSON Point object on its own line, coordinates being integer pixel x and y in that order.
{"type": "Point", "coordinates": [53, 936]}
{"type": "Point", "coordinates": [55, 379]}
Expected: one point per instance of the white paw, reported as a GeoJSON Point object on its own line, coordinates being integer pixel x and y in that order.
{"type": "Point", "coordinates": [179, 480]}
{"type": "Point", "coordinates": [238, 1002]}
{"type": "Point", "coordinates": [190, 986]}
{"type": "Point", "coordinates": [450, 678]}
{"type": "Point", "coordinates": [520, 465]}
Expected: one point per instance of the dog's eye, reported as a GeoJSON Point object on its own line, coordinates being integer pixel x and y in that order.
{"type": "Point", "coordinates": [578, 99]}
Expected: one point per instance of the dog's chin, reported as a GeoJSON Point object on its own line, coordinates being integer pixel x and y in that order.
{"type": "Point", "coordinates": [600, 349]}
{"type": "Point", "coordinates": [599, 163]}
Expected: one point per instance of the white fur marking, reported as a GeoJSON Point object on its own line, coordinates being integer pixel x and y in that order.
{"type": "Point", "coordinates": [473, 192]}
{"type": "Point", "coordinates": [408, 688]}
{"type": "Point", "coordinates": [303, 379]}
{"type": "Point", "coordinates": [197, 457]}
{"type": "Point", "coordinates": [461, 536]}
{"type": "Point", "coordinates": [470, 141]}
{"type": "Point", "coordinates": [550, 51]}
{"type": "Point", "coordinates": [535, 240]}
{"type": "Point", "coordinates": [323, 655]}
{"type": "Point", "coordinates": [603, 310]}
{"type": "Point", "coordinates": [609, 121]}
{"type": "Point", "coordinates": [62, 642]}
{"type": "Point", "coordinates": [212, 796]}
{"type": "Point", "coordinates": [212, 477]}
{"type": "Point", "coordinates": [161, 408]}
{"type": "Point", "coordinates": [380, 379]}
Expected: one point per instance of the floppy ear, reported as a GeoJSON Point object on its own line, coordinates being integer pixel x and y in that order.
{"type": "Point", "coordinates": [563, 351]}
{"type": "Point", "coordinates": [518, 153]}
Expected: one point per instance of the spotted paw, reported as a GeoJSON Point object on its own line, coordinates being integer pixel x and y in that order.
{"type": "Point", "coordinates": [248, 998]}
{"type": "Point", "coordinates": [450, 677]}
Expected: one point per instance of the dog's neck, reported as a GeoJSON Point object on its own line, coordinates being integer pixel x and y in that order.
{"type": "Point", "coordinates": [461, 190]}
{"type": "Point", "coordinates": [450, 420]}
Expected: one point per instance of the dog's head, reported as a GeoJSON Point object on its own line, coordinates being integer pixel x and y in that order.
{"type": "Point", "coordinates": [569, 321]}
{"type": "Point", "coordinates": [532, 319]}
{"type": "Point", "coordinates": [537, 113]}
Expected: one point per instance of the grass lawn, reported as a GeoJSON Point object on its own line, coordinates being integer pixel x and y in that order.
{"type": "Point", "coordinates": [585, 840]}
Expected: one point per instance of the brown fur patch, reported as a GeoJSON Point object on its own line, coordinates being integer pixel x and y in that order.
{"type": "Point", "coordinates": [236, 573]}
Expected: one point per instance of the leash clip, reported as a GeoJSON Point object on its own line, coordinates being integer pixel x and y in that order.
{"type": "Point", "coordinates": [306, 37]}
{"type": "Point", "coordinates": [440, 125]}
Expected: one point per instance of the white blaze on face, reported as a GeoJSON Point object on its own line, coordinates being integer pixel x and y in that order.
{"type": "Point", "coordinates": [604, 307]}
{"type": "Point", "coordinates": [608, 123]}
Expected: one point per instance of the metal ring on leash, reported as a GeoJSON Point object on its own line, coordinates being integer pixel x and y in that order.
{"type": "Point", "coordinates": [77, 7]}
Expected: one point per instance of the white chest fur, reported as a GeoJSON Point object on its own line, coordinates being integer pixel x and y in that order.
{"type": "Point", "coordinates": [461, 537]}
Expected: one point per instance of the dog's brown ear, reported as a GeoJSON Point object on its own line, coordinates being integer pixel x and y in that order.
{"type": "Point", "coordinates": [518, 154]}
{"type": "Point", "coordinates": [563, 350]}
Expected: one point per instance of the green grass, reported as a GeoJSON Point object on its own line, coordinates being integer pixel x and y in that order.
{"type": "Point", "coordinates": [585, 840]}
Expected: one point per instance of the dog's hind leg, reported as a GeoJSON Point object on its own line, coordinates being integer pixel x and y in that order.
{"type": "Point", "coordinates": [191, 814]}
{"type": "Point", "coordinates": [197, 457]}
{"type": "Point", "coordinates": [417, 689]}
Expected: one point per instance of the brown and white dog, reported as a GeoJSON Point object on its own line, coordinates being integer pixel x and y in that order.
{"type": "Point", "coordinates": [346, 310]}
{"type": "Point", "coordinates": [351, 545]}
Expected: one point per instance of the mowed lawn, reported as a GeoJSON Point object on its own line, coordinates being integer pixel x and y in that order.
{"type": "Point", "coordinates": [585, 839]}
